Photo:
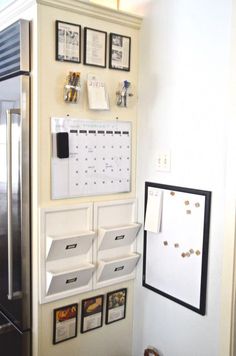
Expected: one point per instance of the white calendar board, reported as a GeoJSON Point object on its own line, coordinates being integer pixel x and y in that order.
{"type": "Point", "coordinates": [99, 158]}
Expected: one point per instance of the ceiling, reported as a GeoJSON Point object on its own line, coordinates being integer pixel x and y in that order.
{"type": "Point", "coordinates": [4, 3]}
{"type": "Point", "coordinates": [133, 6]}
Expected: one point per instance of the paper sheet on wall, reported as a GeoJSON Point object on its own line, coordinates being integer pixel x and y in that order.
{"type": "Point", "coordinates": [97, 94]}
{"type": "Point", "coordinates": [154, 210]}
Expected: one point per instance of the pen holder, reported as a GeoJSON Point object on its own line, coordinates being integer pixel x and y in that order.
{"type": "Point", "coordinates": [72, 88]}
{"type": "Point", "coordinates": [124, 94]}
{"type": "Point", "coordinates": [71, 93]}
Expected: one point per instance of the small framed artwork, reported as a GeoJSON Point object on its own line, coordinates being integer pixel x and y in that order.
{"type": "Point", "coordinates": [92, 313]}
{"type": "Point", "coordinates": [65, 323]}
{"type": "Point", "coordinates": [95, 47]}
{"type": "Point", "coordinates": [176, 240]}
{"type": "Point", "coordinates": [119, 52]}
{"type": "Point", "coordinates": [116, 305]}
{"type": "Point", "coordinates": [68, 42]}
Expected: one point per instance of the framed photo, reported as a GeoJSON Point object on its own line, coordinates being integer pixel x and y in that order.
{"type": "Point", "coordinates": [116, 305]}
{"type": "Point", "coordinates": [92, 313]}
{"type": "Point", "coordinates": [65, 323]}
{"type": "Point", "coordinates": [119, 52]}
{"type": "Point", "coordinates": [95, 47]}
{"type": "Point", "coordinates": [176, 248]}
{"type": "Point", "coordinates": [68, 42]}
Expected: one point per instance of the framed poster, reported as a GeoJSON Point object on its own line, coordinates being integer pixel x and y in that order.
{"type": "Point", "coordinates": [119, 52]}
{"type": "Point", "coordinates": [116, 305]}
{"type": "Point", "coordinates": [95, 47]}
{"type": "Point", "coordinates": [68, 42]}
{"type": "Point", "coordinates": [65, 323]}
{"type": "Point", "coordinates": [176, 248]}
{"type": "Point", "coordinates": [92, 313]}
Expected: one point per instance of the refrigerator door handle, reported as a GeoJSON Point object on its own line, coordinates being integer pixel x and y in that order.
{"type": "Point", "coordinates": [5, 328]}
{"type": "Point", "coordinates": [11, 294]}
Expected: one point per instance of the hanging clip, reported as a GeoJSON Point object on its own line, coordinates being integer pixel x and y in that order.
{"type": "Point", "coordinates": [123, 94]}
{"type": "Point", "coordinates": [72, 88]}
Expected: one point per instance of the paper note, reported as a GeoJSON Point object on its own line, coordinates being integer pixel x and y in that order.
{"type": "Point", "coordinates": [154, 210]}
{"type": "Point", "coordinates": [97, 94]}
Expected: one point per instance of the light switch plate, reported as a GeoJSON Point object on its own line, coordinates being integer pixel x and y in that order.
{"type": "Point", "coordinates": [163, 161]}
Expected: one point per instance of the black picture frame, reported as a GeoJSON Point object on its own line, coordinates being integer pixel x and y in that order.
{"type": "Point", "coordinates": [64, 314]}
{"type": "Point", "coordinates": [95, 47]}
{"type": "Point", "coordinates": [90, 310]}
{"type": "Point", "coordinates": [119, 52]}
{"type": "Point", "coordinates": [151, 242]}
{"type": "Point", "coordinates": [116, 305]}
{"type": "Point", "coordinates": [68, 42]}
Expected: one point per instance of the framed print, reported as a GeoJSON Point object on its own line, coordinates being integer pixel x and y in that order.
{"type": "Point", "coordinates": [119, 52]}
{"type": "Point", "coordinates": [92, 313]}
{"type": "Point", "coordinates": [95, 47]}
{"type": "Point", "coordinates": [68, 42]}
{"type": "Point", "coordinates": [116, 305]}
{"type": "Point", "coordinates": [65, 323]}
{"type": "Point", "coordinates": [176, 238]}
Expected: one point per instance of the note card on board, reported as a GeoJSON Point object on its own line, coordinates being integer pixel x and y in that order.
{"type": "Point", "coordinates": [153, 210]}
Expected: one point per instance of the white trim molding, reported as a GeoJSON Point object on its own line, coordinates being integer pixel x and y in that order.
{"type": "Point", "coordinates": [96, 11]}
{"type": "Point", "coordinates": [14, 11]}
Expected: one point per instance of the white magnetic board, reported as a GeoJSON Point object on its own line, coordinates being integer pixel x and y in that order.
{"type": "Point", "coordinates": [96, 159]}
{"type": "Point", "coordinates": [175, 257]}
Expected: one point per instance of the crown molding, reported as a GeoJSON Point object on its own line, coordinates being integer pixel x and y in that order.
{"type": "Point", "coordinates": [95, 11]}
{"type": "Point", "coordinates": [14, 11]}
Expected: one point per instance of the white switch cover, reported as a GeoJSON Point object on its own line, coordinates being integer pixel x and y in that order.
{"type": "Point", "coordinates": [163, 161]}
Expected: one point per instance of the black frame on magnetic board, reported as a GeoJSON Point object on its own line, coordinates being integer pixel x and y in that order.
{"type": "Point", "coordinates": [86, 29]}
{"type": "Point", "coordinates": [58, 58]}
{"type": "Point", "coordinates": [83, 313]}
{"type": "Point", "coordinates": [207, 211]}
{"type": "Point", "coordinates": [110, 52]}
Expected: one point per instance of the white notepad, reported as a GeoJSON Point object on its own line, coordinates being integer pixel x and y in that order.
{"type": "Point", "coordinates": [97, 94]}
{"type": "Point", "coordinates": [154, 210]}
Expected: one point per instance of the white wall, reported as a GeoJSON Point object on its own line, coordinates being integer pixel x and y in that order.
{"type": "Point", "coordinates": [184, 108]}
{"type": "Point", "coordinates": [229, 312]}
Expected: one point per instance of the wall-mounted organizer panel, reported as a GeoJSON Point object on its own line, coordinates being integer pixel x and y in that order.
{"type": "Point", "coordinates": [66, 251]}
{"type": "Point", "coordinates": [75, 258]}
{"type": "Point", "coordinates": [90, 157]}
{"type": "Point", "coordinates": [115, 247]}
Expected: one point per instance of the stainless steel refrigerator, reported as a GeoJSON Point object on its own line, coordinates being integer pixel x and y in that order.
{"type": "Point", "coordinates": [15, 261]}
